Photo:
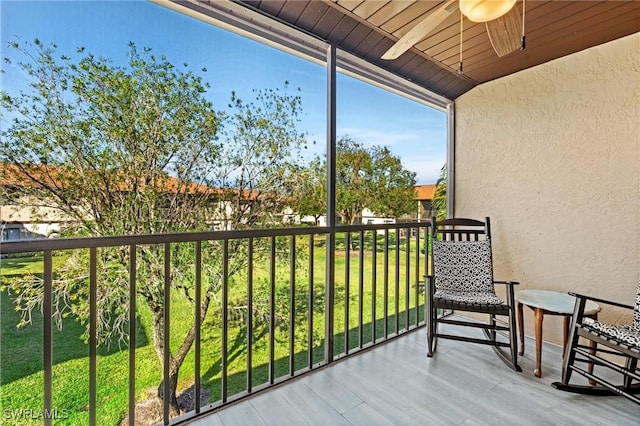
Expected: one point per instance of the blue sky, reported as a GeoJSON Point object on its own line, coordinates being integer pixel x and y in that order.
{"type": "Point", "coordinates": [414, 132]}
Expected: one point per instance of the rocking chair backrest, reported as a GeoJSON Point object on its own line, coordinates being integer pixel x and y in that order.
{"type": "Point", "coordinates": [462, 259]}
{"type": "Point", "coordinates": [460, 229]}
{"type": "Point", "coordinates": [463, 266]}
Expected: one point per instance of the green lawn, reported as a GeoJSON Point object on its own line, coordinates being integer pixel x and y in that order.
{"type": "Point", "coordinates": [21, 348]}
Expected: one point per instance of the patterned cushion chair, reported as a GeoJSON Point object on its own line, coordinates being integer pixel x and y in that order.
{"type": "Point", "coordinates": [622, 340]}
{"type": "Point", "coordinates": [462, 280]}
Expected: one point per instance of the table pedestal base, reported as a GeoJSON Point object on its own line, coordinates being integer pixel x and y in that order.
{"type": "Point", "coordinates": [538, 315]}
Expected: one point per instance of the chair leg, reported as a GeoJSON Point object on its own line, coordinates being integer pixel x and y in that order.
{"type": "Point", "coordinates": [492, 332]}
{"type": "Point", "coordinates": [513, 330]}
{"type": "Point", "coordinates": [568, 362]}
{"type": "Point", "coordinates": [572, 341]}
{"type": "Point", "coordinates": [513, 338]}
{"type": "Point", "coordinates": [593, 351]}
{"type": "Point", "coordinates": [431, 317]}
{"type": "Point", "coordinates": [432, 329]}
{"type": "Point", "coordinates": [631, 365]}
{"type": "Point", "coordinates": [510, 358]}
{"type": "Point", "coordinates": [429, 332]}
{"type": "Point", "coordinates": [432, 340]}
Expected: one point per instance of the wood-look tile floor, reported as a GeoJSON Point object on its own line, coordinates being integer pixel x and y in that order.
{"type": "Point", "coordinates": [396, 384]}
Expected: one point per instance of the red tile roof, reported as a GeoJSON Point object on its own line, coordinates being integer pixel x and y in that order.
{"type": "Point", "coordinates": [425, 192]}
{"type": "Point", "coordinates": [30, 175]}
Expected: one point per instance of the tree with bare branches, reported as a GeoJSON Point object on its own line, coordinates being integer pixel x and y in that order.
{"type": "Point", "coordinates": [138, 149]}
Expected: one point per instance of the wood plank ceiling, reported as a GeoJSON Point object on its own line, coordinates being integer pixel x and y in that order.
{"type": "Point", "coordinates": [367, 28]}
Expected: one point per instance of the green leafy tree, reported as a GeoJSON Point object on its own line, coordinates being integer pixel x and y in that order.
{"type": "Point", "coordinates": [257, 163]}
{"type": "Point", "coordinates": [137, 149]}
{"type": "Point", "coordinates": [309, 196]}
{"type": "Point", "coordinates": [366, 177]}
{"type": "Point", "coordinates": [440, 195]}
{"type": "Point", "coordinates": [371, 178]}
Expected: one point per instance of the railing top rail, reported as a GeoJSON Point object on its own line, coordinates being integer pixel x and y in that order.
{"type": "Point", "coordinates": [372, 226]}
{"type": "Point", "coordinates": [8, 247]}
{"type": "Point", "coordinates": [37, 245]}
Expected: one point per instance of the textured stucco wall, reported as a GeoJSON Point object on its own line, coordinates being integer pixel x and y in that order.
{"type": "Point", "coordinates": [552, 155]}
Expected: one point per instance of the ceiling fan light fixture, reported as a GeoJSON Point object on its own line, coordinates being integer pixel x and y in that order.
{"type": "Point", "coordinates": [485, 10]}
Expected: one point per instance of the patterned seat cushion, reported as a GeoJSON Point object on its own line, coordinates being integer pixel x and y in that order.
{"type": "Point", "coordinates": [629, 334]}
{"type": "Point", "coordinates": [463, 272]}
{"type": "Point", "coordinates": [471, 297]}
{"type": "Point", "coordinates": [620, 332]}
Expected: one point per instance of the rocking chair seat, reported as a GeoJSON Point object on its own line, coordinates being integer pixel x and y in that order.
{"type": "Point", "coordinates": [619, 332]}
{"type": "Point", "coordinates": [487, 299]}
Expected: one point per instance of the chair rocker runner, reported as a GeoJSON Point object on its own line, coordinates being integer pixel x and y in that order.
{"type": "Point", "coordinates": [462, 280]}
{"type": "Point", "coordinates": [619, 343]}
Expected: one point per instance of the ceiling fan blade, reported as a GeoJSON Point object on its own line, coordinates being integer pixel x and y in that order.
{"type": "Point", "coordinates": [505, 32]}
{"type": "Point", "coordinates": [421, 30]}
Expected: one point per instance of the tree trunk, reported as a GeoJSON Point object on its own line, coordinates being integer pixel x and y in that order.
{"type": "Point", "coordinates": [174, 408]}
{"type": "Point", "coordinates": [159, 343]}
{"type": "Point", "coordinates": [175, 362]}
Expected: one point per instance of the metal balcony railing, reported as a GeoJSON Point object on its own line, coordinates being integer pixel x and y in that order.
{"type": "Point", "coordinates": [342, 290]}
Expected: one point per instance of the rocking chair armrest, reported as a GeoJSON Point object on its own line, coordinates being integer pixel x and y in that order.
{"type": "Point", "coordinates": [606, 302]}
{"type": "Point", "coordinates": [511, 283]}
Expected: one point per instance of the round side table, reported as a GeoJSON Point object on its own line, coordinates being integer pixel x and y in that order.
{"type": "Point", "coordinates": [545, 302]}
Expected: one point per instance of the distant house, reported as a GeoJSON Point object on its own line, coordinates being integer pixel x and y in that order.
{"type": "Point", "coordinates": [424, 208]}
{"type": "Point", "coordinates": [21, 216]}
{"type": "Point", "coordinates": [370, 217]}
{"type": "Point", "coordinates": [26, 217]}
{"type": "Point", "coordinates": [424, 197]}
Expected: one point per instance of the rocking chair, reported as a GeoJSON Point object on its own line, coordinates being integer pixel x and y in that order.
{"type": "Point", "coordinates": [462, 280]}
{"type": "Point", "coordinates": [621, 343]}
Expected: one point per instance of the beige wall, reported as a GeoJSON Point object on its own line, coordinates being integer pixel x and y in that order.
{"type": "Point", "coordinates": [28, 210]}
{"type": "Point", "coordinates": [552, 155]}
{"type": "Point", "coordinates": [33, 216]}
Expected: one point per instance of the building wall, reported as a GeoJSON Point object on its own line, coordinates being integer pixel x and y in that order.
{"type": "Point", "coordinates": [552, 155]}
{"type": "Point", "coordinates": [21, 219]}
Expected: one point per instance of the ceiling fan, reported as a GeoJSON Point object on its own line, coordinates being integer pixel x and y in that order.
{"type": "Point", "coordinates": [502, 19]}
